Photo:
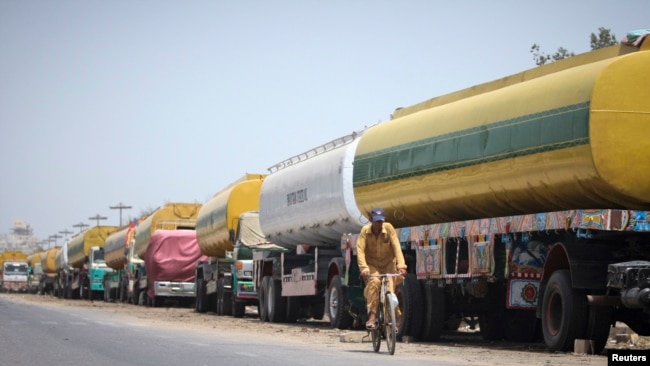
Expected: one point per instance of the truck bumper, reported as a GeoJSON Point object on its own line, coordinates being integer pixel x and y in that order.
{"type": "Point", "coordinates": [174, 289]}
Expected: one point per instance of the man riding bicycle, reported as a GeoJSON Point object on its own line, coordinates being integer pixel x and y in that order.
{"type": "Point", "coordinates": [378, 252]}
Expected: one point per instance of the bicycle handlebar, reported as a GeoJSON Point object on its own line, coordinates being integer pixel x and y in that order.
{"type": "Point", "coordinates": [386, 275]}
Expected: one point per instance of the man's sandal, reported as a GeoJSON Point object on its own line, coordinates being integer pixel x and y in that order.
{"type": "Point", "coordinates": [371, 325]}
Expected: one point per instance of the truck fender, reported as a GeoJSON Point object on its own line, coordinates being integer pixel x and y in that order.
{"type": "Point", "coordinates": [587, 262]}
{"type": "Point", "coordinates": [336, 267]}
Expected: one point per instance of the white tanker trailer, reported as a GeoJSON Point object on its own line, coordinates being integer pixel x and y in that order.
{"type": "Point", "coordinates": [306, 204]}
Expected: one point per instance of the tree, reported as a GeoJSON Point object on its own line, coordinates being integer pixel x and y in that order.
{"type": "Point", "coordinates": [605, 38]}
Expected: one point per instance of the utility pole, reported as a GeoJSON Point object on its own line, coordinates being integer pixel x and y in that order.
{"type": "Point", "coordinates": [55, 237]}
{"type": "Point", "coordinates": [65, 233]}
{"type": "Point", "coordinates": [81, 226]}
{"type": "Point", "coordinates": [97, 217]}
{"type": "Point", "coordinates": [120, 206]}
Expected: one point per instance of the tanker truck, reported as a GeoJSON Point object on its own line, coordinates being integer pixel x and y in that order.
{"type": "Point", "coordinates": [227, 229]}
{"type": "Point", "coordinates": [82, 277]}
{"type": "Point", "coordinates": [61, 268]}
{"type": "Point", "coordinates": [306, 205]}
{"type": "Point", "coordinates": [120, 256]}
{"type": "Point", "coordinates": [521, 203]}
{"type": "Point", "coordinates": [15, 271]}
{"type": "Point", "coordinates": [35, 271]}
{"type": "Point", "coordinates": [48, 266]}
{"type": "Point", "coordinates": [169, 263]}
{"type": "Point", "coordinates": [171, 216]}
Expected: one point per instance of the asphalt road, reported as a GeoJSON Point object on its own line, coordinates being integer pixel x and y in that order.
{"type": "Point", "coordinates": [33, 334]}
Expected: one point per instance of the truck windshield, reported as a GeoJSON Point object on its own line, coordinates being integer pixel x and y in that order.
{"type": "Point", "coordinates": [15, 268]}
{"type": "Point", "coordinates": [98, 256]}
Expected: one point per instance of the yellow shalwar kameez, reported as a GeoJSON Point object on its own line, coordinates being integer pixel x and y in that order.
{"type": "Point", "coordinates": [378, 254]}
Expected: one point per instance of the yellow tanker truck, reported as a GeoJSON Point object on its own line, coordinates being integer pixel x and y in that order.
{"type": "Point", "coordinates": [154, 288]}
{"type": "Point", "coordinates": [227, 227]}
{"type": "Point", "coordinates": [35, 271]}
{"type": "Point", "coordinates": [522, 203]}
{"type": "Point", "coordinates": [82, 276]}
{"type": "Point", "coordinates": [15, 271]}
{"type": "Point", "coordinates": [48, 266]}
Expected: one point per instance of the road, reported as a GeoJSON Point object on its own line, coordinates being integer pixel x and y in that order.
{"type": "Point", "coordinates": [43, 330]}
{"type": "Point", "coordinates": [35, 334]}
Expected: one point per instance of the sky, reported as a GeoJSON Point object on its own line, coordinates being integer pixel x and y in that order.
{"type": "Point", "coordinates": [141, 103]}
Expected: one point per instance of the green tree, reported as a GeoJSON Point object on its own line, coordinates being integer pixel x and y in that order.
{"type": "Point", "coordinates": [605, 38]}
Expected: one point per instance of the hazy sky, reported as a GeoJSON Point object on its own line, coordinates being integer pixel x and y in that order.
{"type": "Point", "coordinates": [147, 102]}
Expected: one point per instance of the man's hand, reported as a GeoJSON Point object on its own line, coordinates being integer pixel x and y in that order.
{"type": "Point", "coordinates": [365, 274]}
{"type": "Point", "coordinates": [402, 271]}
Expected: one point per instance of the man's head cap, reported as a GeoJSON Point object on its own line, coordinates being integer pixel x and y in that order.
{"type": "Point", "coordinates": [377, 214]}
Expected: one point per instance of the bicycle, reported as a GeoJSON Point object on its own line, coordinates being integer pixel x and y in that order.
{"type": "Point", "coordinates": [386, 320]}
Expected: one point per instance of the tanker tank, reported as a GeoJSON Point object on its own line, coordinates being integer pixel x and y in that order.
{"type": "Point", "coordinates": [61, 258]}
{"type": "Point", "coordinates": [547, 139]}
{"type": "Point", "coordinates": [79, 245]}
{"type": "Point", "coordinates": [171, 216]}
{"type": "Point", "coordinates": [309, 198]}
{"type": "Point", "coordinates": [35, 258]}
{"type": "Point", "coordinates": [114, 248]}
{"type": "Point", "coordinates": [48, 260]}
{"type": "Point", "coordinates": [218, 217]}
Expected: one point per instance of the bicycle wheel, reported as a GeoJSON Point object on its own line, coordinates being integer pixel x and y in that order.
{"type": "Point", "coordinates": [376, 333]}
{"type": "Point", "coordinates": [390, 324]}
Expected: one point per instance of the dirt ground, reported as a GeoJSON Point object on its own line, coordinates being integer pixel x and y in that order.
{"type": "Point", "coordinates": [462, 347]}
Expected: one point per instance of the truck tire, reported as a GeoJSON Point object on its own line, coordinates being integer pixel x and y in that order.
{"type": "Point", "coordinates": [563, 309]}
{"type": "Point", "coordinates": [238, 308]}
{"type": "Point", "coordinates": [411, 306]}
{"type": "Point", "coordinates": [123, 290]}
{"type": "Point", "coordinates": [263, 294]}
{"type": "Point", "coordinates": [200, 300]}
{"type": "Point", "coordinates": [292, 312]}
{"type": "Point", "coordinates": [599, 323]}
{"type": "Point", "coordinates": [276, 304]}
{"type": "Point", "coordinates": [224, 298]}
{"type": "Point", "coordinates": [435, 312]}
{"type": "Point", "coordinates": [337, 304]}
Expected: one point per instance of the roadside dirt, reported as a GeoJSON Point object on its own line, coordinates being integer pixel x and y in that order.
{"type": "Point", "coordinates": [462, 347]}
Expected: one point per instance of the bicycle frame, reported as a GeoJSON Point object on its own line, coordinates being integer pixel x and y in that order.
{"type": "Point", "coordinates": [386, 318]}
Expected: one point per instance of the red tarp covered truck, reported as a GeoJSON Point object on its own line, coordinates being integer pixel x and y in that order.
{"type": "Point", "coordinates": [169, 264]}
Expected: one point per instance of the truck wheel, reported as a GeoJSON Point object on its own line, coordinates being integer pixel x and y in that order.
{"type": "Point", "coordinates": [411, 306]}
{"type": "Point", "coordinates": [224, 300]}
{"type": "Point", "coordinates": [200, 300]}
{"type": "Point", "coordinates": [263, 295]}
{"type": "Point", "coordinates": [292, 309]}
{"type": "Point", "coordinates": [238, 308]}
{"type": "Point", "coordinates": [435, 312]}
{"type": "Point", "coordinates": [337, 304]}
{"type": "Point", "coordinates": [276, 304]}
{"type": "Point", "coordinates": [563, 310]}
{"type": "Point", "coordinates": [135, 297]}
{"type": "Point", "coordinates": [227, 301]}
{"type": "Point", "coordinates": [599, 323]}
{"type": "Point", "coordinates": [123, 291]}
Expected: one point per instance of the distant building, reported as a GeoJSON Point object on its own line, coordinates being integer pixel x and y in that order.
{"type": "Point", "coordinates": [21, 238]}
